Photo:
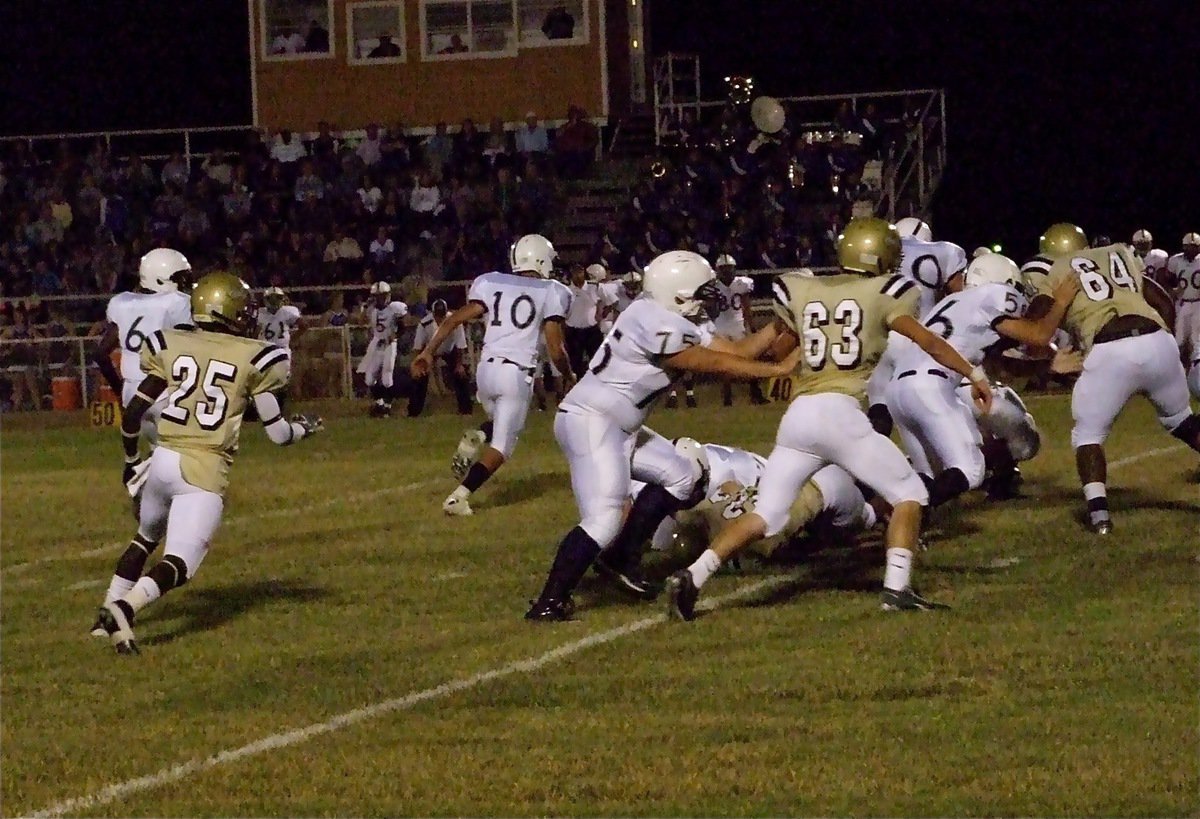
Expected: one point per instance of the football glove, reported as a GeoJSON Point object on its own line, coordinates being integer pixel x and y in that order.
{"type": "Point", "coordinates": [134, 476]}
{"type": "Point", "coordinates": [312, 424]}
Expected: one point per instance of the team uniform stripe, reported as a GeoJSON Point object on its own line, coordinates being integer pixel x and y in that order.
{"type": "Point", "coordinates": [271, 421]}
{"type": "Point", "coordinates": [780, 292]}
{"type": "Point", "coordinates": [264, 363]}
{"type": "Point", "coordinates": [265, 351]}
{"type": "Point", "coordinates": [892, 285]}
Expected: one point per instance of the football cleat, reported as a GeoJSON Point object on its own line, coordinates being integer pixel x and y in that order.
{"type": "Point", "coordinates": [907, 600]}
{"type": "Point", "coordinates": [457, 507]}
{"type": "Point", "coordinates": [468, 451]}
{"type": "Point", "coordinates": [630, 581]}
{"type": "Point", "coordinates": [672, 401]}
{"type": "Point", "coordinates": [682, 595]}
{"type": "Point", "coordinates": [98, 629]}
{"type": "Point", "coordinates": [118, 625]}
{"type": "Point", "coordinates": [552, 610]}
{"type": "Point", "coordinates": [1101, 527]}
{"type": "Point", "coordinates": [690, 401]}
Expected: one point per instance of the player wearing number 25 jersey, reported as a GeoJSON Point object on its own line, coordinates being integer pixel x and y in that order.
{"type": "Point", "coordinates": [517, 309]}
{"type": "Point", "coordinates": [1118, 319]}
{"type": "Point", "coordinates": [655, 340]}
{"type": "Point", "coordinates": [208, 375]}
{"type": "Point", "coordinates": [841, 324]}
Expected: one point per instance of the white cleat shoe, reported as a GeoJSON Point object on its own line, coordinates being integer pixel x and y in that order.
{"type": "Point", "coordinates": [457, 507]}
{"type": "Point", "coordinates": [119, 627]}
{"type": "Point", "coordinates": [468, 450]}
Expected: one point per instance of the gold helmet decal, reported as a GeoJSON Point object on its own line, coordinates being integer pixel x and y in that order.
{"type": "Point", "coordinates": [869, 245]}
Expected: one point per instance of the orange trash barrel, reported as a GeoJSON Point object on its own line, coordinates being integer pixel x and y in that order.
{"type": "Point", "coordinates": [64, 390]}
{"type": "Point", "coordinates": [105, 392]}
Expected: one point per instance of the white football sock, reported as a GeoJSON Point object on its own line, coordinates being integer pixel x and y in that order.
{"type": "Point", "coordinates": [899, 569]}
{"type": "Point", "coordinates": [1096, 495]}
{"type": "Point", "coordinates": [143, 593]}
{"type": "Point", "coordinates": [117, 588]}
{"type": "Point", "coordinates": [705, 567]}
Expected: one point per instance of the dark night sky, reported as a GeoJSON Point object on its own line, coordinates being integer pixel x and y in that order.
{"type": "Point", "coordinates": [1057, 111]}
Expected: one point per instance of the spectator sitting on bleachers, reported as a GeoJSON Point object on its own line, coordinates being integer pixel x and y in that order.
{"type": "Point", "coordinates": [532, 138]}
{"type": "Point", "coordinates": [575, 144]}
{"type": "Point", "coordinates": [288, 149]}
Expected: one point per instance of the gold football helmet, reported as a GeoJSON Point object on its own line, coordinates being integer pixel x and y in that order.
{"type": "Point", "coordinates": [869, 245]}
{"type": "Point", "coordinates": [222, 301]}
{"type": "Point", "coordinates": [1062, 238]}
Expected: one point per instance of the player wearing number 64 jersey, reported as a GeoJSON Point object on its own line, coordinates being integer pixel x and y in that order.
{"type": "Point", "coordinates": [517, 309]}
{"type": "Point", "coordinates": [841, 325]}
{"type": "Point", "coordinates": [1120, 319]}
{"type": "Point", "coordinates": [209, 376]}
{"type": "Point", "coordinates": [160, 302]}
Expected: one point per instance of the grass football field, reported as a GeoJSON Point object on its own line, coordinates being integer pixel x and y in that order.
{"type": "Point", "coordinates": [347, 650]}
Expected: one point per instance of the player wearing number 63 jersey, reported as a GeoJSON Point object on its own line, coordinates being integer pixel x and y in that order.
{"type": "Point", "coordinates": [160, 302]}
{"type": "Point", "coordinates": [517, 309]}
{"type": "Point", "coordinates": [939, 431]}
{"type": "Point", "coordinates": [1120, 319]}
{"type": "Point", "coordinates": [841, 325]}
{"type": "Point", "coordinates": [209, 376]}
{"type": "Point", "coordinates": [655, 340]}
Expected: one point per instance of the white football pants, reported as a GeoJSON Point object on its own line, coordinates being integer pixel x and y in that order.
{"type": "Point", "coordinates": [831, 428]}
{"type": "Point", "coordinates": [187, 515]}
{"type": "Point", "coordinates": [1187, 327]}
{"type": "Point", "coordinates": [504, 391]}
{"type": "Point", "coordinates": [378, 366]}
{"type": "Point", "coordinates": [1115, 371]}
{"type": "Point", "coordinates": [841, 497]}
{"type": "Point", "coordinates": [881, 376]}
{"type": "Point", "coordinates": [938, 432]}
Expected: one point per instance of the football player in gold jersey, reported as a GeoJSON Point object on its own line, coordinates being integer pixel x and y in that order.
{"type": "Point", "coordinates": [1120, 319]}
{"type": "Point", "coordinates": [210, 375]}
{"type": "Point", "coordinates": [841, 323]}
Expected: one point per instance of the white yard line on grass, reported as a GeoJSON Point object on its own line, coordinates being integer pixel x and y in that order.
{"type": "Point", "coordinates": [285, 739]}
{"type": "Point", "coordinates": [1141, 456]}
{"type": "Point", "coordinates": [234, 520]}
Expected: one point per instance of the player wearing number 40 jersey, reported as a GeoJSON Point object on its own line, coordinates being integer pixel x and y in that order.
{"type": "Point", "coordinates": [160, 302]}
{"type": "Point", "coordinates": [209, 375]}
{"type": "Point", "coordinates": [517, 309]}
{"type": "Point", "coordinates": [841, 324]}
{"type": "Point", "coordinates": [1120, 319]}
{"type": "Point", "coordinates": [938, 431]}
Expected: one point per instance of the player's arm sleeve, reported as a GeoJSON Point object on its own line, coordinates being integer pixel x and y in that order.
{"type": "Point", "coordinates": [558, 305]}
{"type": "Point", "coordinates": [293, 315]}
{"type": "Point", "coordinates": [401, 309]}
{"type": "Point", "coordinates": [270, 370]}
{"type": "Point", "coordinates": [279, 429]}
{"type": "Point", "coordinates": [180, 315]}
{"type": "Point", "coordinates": [781, 302]}
{"type": "Point", "coordinates": [903, 299]}
{"type": "Point", "coordinates": [152, 355]}
{"type": "Point", "coordinates": [476, 294]}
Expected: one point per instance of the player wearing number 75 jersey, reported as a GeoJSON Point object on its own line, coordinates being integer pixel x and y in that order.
{"type": "Point", "coordinates": [841, 325]}
{"type": "Point", "coordinates": [209, 376]}
{"type": "Point", "coordinates": [652, 342]}
{"type": "Point", "coordinates": [517, 309]}
{"type": "Point", "coordinates": [160, 302]}
{"type": "Point", "coordinates": [1120, 319]}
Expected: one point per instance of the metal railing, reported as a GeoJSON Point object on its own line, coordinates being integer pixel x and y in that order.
{"type": "Point", "coordinates": [155, 144]}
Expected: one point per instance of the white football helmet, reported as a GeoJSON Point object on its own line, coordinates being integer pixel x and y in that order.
{"type": "Point", "coordinates": [910, 227]}
{"type": "Point", "coordinates": [672, 279]}
{"type": "Point", "coordinates": [273, 297]}
{"type": "Point", "coordinates": [158, 268]}
{"type": "Point", "coordinates": [694, 451]}
{"type": "Point", "coordinates": [1191, 239]}
{"type": "Point", "coordinates": [596, 272]}
{"type": "Point", "coordinates": [380, 288]}
{"type": "Point", "coordinates": [1156, 259]}
{"type": "Point", "coordinates": [994, 268]}
{"type": "Point", "coordinates": [981, 251]}
{"type": "Point", "coordinates": [533, 253]}
{"type": "Point", "coordinates": [725, 260]}
{"type": "Point", "coordinates": [1142, 237]}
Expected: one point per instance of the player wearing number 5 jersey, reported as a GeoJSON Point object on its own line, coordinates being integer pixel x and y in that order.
{"type": "Point", "coordinates": [378, 366]}
{"type": "Point", "coordinates": [841, 324]}
{"type": "Point", "coordinates": [653, 342]}
{"type": "Point", "coordinates": [1120, 319]}
{"type": "Point", "coordinates": [938, 431]}
{"type": "Point", "coordinates": [517, 310]}
{"type": "Point", "coordinates": [159, 303]}
{"type": "Point", "coordinates": [209, 375]}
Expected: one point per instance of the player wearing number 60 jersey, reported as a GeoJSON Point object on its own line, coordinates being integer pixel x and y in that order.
{"type": "Point", "coordinates": [208, 375]}
{"type": "Point", "coordinates": [841, 324]}
{"type": "Point", "coordinates": [1120, 319]}
{"type": "Point", "coordinates": [159, 303]}
{"type": "Point", "coordinates": [517, 310]}
{"type": "Point", "coordinates": [939, 432]}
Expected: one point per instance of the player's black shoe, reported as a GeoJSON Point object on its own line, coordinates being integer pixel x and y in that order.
{"type": "Point", "coordinates": [907, 600]}
{"type": "Point", "coordinates": [682, 595]}
{"type": "Point", "coordinates": [629, 580]}
{"type": "Point", "coordinates": [552, 610]}
{"type": "Point", "coordinates": [690, 400]}
{"type": "Point", "coordinates": [672, 401]}
{"type": "Point", "coordinates": [116, 618]}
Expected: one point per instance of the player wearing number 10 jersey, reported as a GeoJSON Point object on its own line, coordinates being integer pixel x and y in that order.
{"type": "Point", "coordinates": [841, 323]}
{"type": "Point", "coordinates": [517, 309]}
{"type": "Point", "coordinates": [1119, 319]}
{"type": "Point", "coordinates": [209, 375]}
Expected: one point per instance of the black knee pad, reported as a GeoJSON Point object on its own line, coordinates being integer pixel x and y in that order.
{"type": "Point", "coordinates": [880, 418]}
{"type": "Point", "coordinates": [1188, 430]}
{"type": "Point", "coordinates": [170, 573]}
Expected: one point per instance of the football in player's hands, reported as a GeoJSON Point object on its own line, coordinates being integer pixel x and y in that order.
{"type": "Point", "coordinates": [792, 361]}
{"type": "Point", "coordinates": [312, 424]}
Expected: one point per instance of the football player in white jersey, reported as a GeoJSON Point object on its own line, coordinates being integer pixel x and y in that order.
{"type": "Point", "coordinates": [937, 429]}
{"type": "Point", "coordinates": [160, 302]}
{"type": "Point", "coordinates": [654, 340]}
{"type": "Point", "coordinates": [616, 295]}
{"type": "Point", "coordinates": [278, 324]}
{"type": "Point", "coordinates": [1010, 436]}
{"type": "Point", "coordinates": [378, 366]}
{"type": "Point", "coordinates": [930, 265]}
{"type": "Point", "coordinates": [733, 322]}
{"type": "Point", "coordinates": [518, 308]}
{"type": "Point", "coordinates": [1183, 272]}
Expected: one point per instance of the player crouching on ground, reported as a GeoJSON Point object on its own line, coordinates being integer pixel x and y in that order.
{"type": "Point", "coordinates": [212, 373]}
{"type": "Point", "coordinates": [654, 341]}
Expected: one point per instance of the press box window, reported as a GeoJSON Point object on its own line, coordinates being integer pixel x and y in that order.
{"type": "Point", "coordinates": [552, 22]}
{"type": "Point", "coordinates": [375, 32]}
{"type": "Point", "coordinates": [296, 29]}
{"type": "Point", "coordinates": [468, 29]}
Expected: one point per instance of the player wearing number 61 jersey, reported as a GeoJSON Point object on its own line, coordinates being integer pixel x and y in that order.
{"type": "Point", "coordinates": [841, 325]}
{"type": "Point", "coordinates": [160, 302]}
{"type": "Point", "coordinates": [209, 375]}
{"type": "Point", "coordinates": [1120, 319]}
{"type": "Point", "coordinates": [517, 310]}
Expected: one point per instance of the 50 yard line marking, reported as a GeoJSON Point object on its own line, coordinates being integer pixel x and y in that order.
{"type": "Point", "coordinates": [285, 739]}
